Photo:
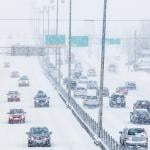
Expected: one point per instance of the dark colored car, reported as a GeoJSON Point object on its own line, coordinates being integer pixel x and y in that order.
{"type": "Point", "coordinates": [142, 104]}
{"type": "Point", "coordinates": [91, 84]}
{"type": "Point", "coordinates": [122, 90]}
{"type": "Point", "coordinates": [23, 81]}
{"type": "Point", "coordinates": [41, 99]}
{"type": "Point", "coordinates": [72, 84]}
{"type": "Point", "coordinates": [13, 96]}
{"type": "Point", "coordinates": [16, 116]}
{"type": "Point", "coordinates": [117, 100]}
{"type": "Point", "coordinates": [133, 138]}
{"type": "Point", "coordinates": [39, 137]}
{"type": "Point", "coordinates": [105, 92]}
{"type": "Point", "coordinates": [130, 85]}
{"type": "Point", "coordinates": [140, 116]}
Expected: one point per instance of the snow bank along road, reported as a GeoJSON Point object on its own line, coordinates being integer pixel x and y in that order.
{"type": "Point", "coordinates": [67, 132]}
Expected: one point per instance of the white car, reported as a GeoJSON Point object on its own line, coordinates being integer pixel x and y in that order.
{"type": "Point", "coordinates": [91, 98]}
{"type": "Point", "coordinates": [23, 81]}
{"type": "Point", "coordinates": [80, 90]}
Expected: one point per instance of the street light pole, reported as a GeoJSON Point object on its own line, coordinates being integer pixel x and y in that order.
{"type": "Point", "coordinates": [69, 59]}
{"type": "Point", "coordinates": [100, 115]}
{"type": "Point", "coordinates": [56, 50]}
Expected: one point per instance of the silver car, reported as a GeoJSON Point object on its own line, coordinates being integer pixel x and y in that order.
{"type": "Point", "coordinates": [133, 138]}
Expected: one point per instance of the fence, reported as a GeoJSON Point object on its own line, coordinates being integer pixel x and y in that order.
{"type": "Point", "coordinates": [104, 140]}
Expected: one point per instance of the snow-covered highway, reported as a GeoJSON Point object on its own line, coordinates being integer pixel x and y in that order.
{"type": "Point", "coordinates": [67, 132]}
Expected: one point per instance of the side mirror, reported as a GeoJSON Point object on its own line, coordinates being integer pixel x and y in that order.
{"type": "Point", "coordinates": [50, 132]}
{"type": "Point", "coordinates": [8, 113]}
{"type": "Point", "coordinates": [120, 132]}
{"type": "Point", "coordinates": [27, 133]}
{"type": "Point", "coordinates": [131, 113]}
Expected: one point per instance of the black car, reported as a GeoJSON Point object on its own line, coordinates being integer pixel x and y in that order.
{"type": "Point", "coordinates": [140, 116]}
{"type": "Point", "coordinates": [41, 99]}
{"type": "Point", "coordinates": [39, 137]}
{"type": "Point", "coordinates": [16, 116]}
{"type": "Point", "coordinates": [117, 100]}
{"type": "Point", "coordinates": [130, 85]}
{"type": "Point", "coordinates": [142, 104]}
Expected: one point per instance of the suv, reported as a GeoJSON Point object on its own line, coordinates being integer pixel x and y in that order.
{"type": "Point", "coordinates": [130, 85]}
{"type": "Point", "coordinates": [140, 116]}
{"type": "Point", "coordinates": [16, 116]}
{"type": "Point", "coordinates": [13, 96]}
{"type": "Point", "coordinates": [117, 100]}
{"type": "Point", "coordinates": [41, 99]}
{"type": "Point", "coordinates": [122, 90]}
{"type": "Point", "coordinates": [23, 81]}
{"type": "Point", "coordinates": [142, 104]}
{"type": "Point", "coordinates": [91, 98]}
{"type": "Point", "coordinates": [14, 74]}
{"type": "Point", "coordinates": [133, 138]}
{"type": "Point", "coordinates": [39, 137]}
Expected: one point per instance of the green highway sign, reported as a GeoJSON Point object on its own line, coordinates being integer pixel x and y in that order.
{"type": "Point", "coordinates": [55, 40]}
{"type": "Point", "coordinates": [79, 41]}
{"type": "Point", "coordinates": [113, 41]}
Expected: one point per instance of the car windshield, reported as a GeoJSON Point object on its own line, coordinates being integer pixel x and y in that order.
{"type": "Point", "coordinates": [80, 88]}
{"type": "Point", "coordinates": [41, 95]}
{"type": "Point", "coordinates": [142, 113]}
{"type": "Point", "coordinates": [135, 131]}
{"type": "Point", "coordinates": [39, 131]}
{"type": "Point", "coordinates": [115, 97]}
{"type": "Point", "coordinates": [24, 78]}
{"type": "Point", "coordinates": [142, 103]}
{"type": "Point", "coordinates": [91, 97]}
{"type": "Point", "coordinates": [15, 111]}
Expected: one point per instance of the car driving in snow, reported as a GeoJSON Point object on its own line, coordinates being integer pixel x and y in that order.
{"type": "Point", "coordinates": [142, 104]}
{"type": "Point", "coordinates": [91, 99]}
{"type": "Point", "coordinates": [23, 81]}
{"type": "Point", "coordinates": [16, 116]}
{"type": "Point", "coordinates": [133, 138]}
{"type": "Point", "coordinates": [92, 84]}
{"type": "Point", "coordinates": [112, 68]}
{"type": "Point", "coordinates": [13, 96]}
{"type": "Point", "coordinates": [41, 99]}
{"type": "Point", "coordinates": [80, 90]}
{"type": "Point", "coordinates": [39, 137]}
{"type": "Point", "coordinates": [91, 73]}
{"type": "Point", "coordinates": [105, 92]}
{"type": "Point", "coordinates": [140, 116]}
{"type": "Point", "coordinates": [122, 90]}
{"type": "Point", "coordinates": [83, 79]}
{"type": "Point", "coordinates": [117, 100]}
{"type": "Point", "coordinates": [14, 74]}
{"type": "Point", "coordinates": [130, 85]}
{"type": "Point", "coordinates": [6, 64]}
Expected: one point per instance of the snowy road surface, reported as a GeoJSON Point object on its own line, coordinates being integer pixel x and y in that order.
{"type": "Point", "coordinates": [67, 132]}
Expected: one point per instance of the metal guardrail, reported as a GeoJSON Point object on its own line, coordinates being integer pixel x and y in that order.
{"type": "Point", "coordinates": [104, 140]}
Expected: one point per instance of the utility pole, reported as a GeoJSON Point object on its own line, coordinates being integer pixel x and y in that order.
{"type": "Point", "coordinates": [56, 50]}
{"type": "Point", "coordinates": [100, 115]}
{"type": "Point", "coordinates": [43, 24]}
{"type": "Point", "coordinates": [69, 54]}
